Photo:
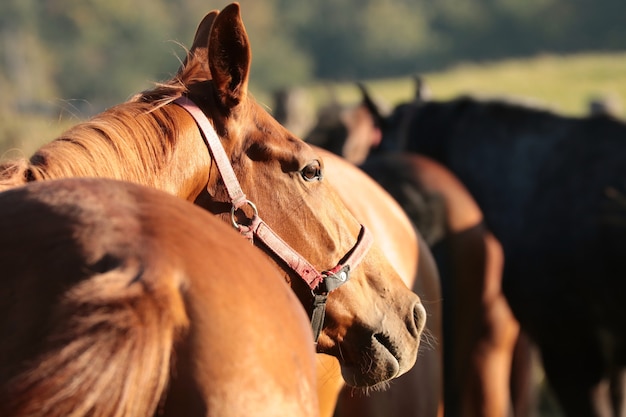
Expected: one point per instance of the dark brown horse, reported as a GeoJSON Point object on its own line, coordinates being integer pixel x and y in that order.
{"type": "Point", "coordinates": [552, 191]}
{"type": "Point", "coordinates": [479, 329]}
{"type": "Point", "coordinates": [289, 209]}
{"type": "Point", "coordinates": [121, 300]}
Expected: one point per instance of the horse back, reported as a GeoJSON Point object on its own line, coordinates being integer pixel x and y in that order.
{"type": "Point", "coordinates": [108, 286]}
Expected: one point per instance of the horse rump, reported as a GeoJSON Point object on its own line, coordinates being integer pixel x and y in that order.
{"type": "Point", "coordinates": [79, 337]}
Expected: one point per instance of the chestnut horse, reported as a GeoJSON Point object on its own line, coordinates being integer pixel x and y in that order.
{"type": "Point", "coordinates": [121, 300]}
{"type": "Point", "coordinates": [551, 188]}
{"type": "Point", "coordinates": [160, 139]}
{"type": "Point", "coordinates": [480, 331]}
{"type": "Point", "coordinates": [409, 253]}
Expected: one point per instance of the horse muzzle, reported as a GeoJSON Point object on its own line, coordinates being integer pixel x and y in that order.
{"type": "Point", "coordinates": [385, 353]}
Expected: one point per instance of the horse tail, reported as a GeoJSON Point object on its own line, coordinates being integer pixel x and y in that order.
{"type": "Point", "coordinates": [109, 353]}
{"type": "Point", "coordinates": [13, 174]}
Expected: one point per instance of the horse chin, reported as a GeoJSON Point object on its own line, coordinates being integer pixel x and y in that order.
{"type": "Point", "coordinates": [374, 365]}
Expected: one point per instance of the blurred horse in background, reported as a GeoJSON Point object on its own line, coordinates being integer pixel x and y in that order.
{"type": "Point", "coordinates": [552, 189]}
{"type": "Point", "coordinates": [202, 137]}
{"type": "Point", "coordinates": [121, 300]}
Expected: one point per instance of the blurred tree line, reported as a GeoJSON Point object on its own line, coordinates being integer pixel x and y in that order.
{"type": "Point", "coordinates": [90, 54]}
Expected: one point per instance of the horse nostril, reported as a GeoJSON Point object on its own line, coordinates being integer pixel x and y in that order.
{"type": "Point", "coordinates": [419, 318]}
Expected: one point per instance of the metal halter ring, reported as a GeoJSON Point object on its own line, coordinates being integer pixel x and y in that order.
{"type": "Point", "coordinates": [233, 210]}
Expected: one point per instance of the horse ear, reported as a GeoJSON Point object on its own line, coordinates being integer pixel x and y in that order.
{"type": "Point", "coordinates": [198, 56]}
{"type": "Point", "coordinates": [229, 56]}
{"type": "Point", "coordinates": [371, 106]}
{"type": "Point", "coordinates": [201, 40]}
{"type": "Point", "coordinates": [421, 90]}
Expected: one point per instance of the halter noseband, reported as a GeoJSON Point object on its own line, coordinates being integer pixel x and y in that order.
{"type": "Point", "coordinates": [320, 283]}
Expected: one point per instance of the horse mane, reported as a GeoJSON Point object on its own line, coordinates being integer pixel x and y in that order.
{"type": "Point", "coordinates": [119, 143]}
{"type": "Point", "coordinates": [509, 119]}
{"type": "Point", "coordinates": [497, 119]}
{"type": "Point", "coordinates": [112, 344]}
{"type": "Point", "coordinates": [12, 173]}
{"type": "Point", "coordinates": [505, 108]}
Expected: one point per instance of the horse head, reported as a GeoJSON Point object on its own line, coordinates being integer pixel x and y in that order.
{"type": "Point", "coordinates": [373, 322]}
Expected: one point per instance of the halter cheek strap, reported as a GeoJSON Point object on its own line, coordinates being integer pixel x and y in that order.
{"type": "Point", "coordinates": [320, 283]}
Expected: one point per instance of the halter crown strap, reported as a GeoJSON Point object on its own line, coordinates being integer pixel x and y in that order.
{"type": "Point", "coordinates": [237, 197]}
{"type": "Point", "coordinates": [321, 283]}
{"type": "Point", "coordinates": [293, 259]}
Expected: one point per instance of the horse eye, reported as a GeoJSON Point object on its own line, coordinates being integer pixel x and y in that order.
{"type": "Point", "coordinates": [312, 172]}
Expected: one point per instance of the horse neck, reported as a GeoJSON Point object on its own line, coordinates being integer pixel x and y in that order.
{"type": "Point", "coordinates": [131, 142]}
{"type": "Point", "coordinates": [497, 149]}
{"type": "Point", "coordinates": [426, 129]}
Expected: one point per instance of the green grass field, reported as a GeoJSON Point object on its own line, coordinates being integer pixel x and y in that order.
{"type": "Point", "coordinates": [562, 83]}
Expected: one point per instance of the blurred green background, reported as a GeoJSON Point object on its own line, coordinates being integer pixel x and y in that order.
{"type": "Point", "coordinates": [62, 61]}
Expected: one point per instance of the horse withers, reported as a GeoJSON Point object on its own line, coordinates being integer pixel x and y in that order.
{"type": "Point", "coordinates": [121, 300]}
{"type": "Point", "coordinates": [258, 177]}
